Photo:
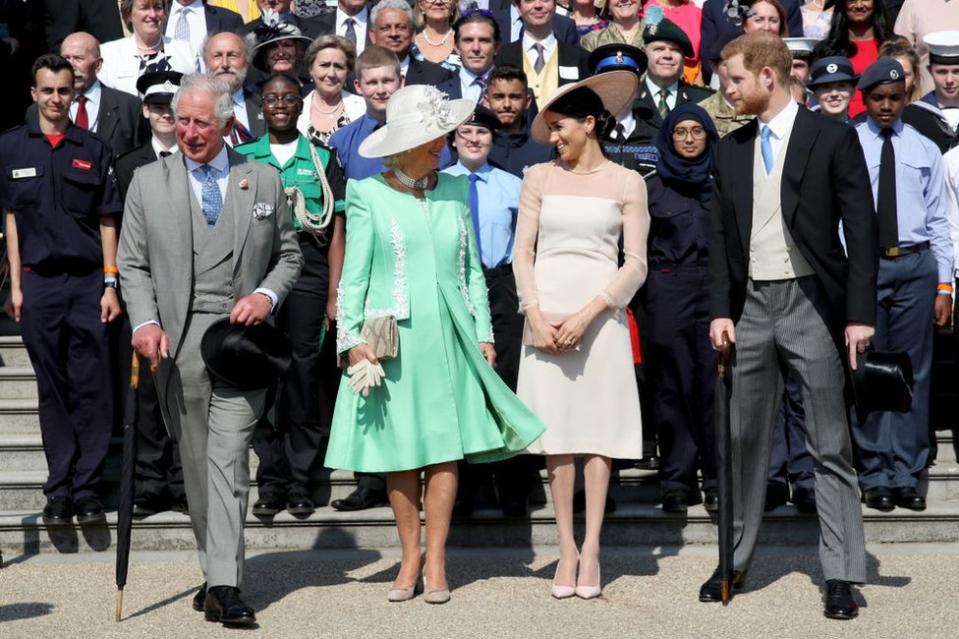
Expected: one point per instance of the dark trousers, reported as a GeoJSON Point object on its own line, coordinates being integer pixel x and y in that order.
{"type": "Point", "coordinates": [70, 354]}
{"type": "Point", "coordinates": [305, 396]}
{"type": "Point", "coordinates": [682, 372]}
{"type": "Point", "coordinates": [894, 447]}
{"type": "Point", "coordinates": [790, 463]}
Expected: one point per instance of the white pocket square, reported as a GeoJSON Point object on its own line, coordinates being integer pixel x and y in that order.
{"type": "Point", "coordinates": [262, 210]}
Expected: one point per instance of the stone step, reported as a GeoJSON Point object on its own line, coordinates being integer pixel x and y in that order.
{"type": "Point", "coordinates": [13, 352]}
{"type": "Point", "coordinates": [17, 382]}
{"type": "Point", "coordinates": [19, 417]}
{"type": "Point", "coordinates": [23, 533]}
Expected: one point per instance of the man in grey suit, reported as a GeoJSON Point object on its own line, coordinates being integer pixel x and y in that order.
{"type": "Point", "coordinates": [206, 235]}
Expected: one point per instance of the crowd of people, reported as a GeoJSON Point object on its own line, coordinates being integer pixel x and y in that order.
{"type": "Point", "coordinates": [496, 236]}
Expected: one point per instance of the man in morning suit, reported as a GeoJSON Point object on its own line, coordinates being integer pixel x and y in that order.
{"type": "Point", "coordinates": [392, 22]}
{"type": "Point", "coordinates": [206, 236]}
{"type": "Point", "coordinates": [111, 114]}
{"type": "Point", "coordinates": [782, 290]}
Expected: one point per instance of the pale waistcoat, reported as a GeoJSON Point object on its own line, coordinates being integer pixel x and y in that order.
{"type": "Point", "coordinates": [544, 83]}
{"type": "Point", "coordinates": [773, 254]}
{"type": "Point", "coordinates": [212, 260]}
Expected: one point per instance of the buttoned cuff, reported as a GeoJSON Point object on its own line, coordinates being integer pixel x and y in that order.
{"type": "Point", "coordinates": [273, 297]}
{"type": "Point", "coordinates": [139, 326]}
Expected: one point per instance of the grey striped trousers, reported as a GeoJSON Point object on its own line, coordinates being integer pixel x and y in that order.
{"type": "Point", "coordinates": [784, 326]}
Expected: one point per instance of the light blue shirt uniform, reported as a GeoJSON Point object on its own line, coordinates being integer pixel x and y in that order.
{"type": "Point", "coordinates": [920, 188]}
{"type": "Point", "coordinates": [498, 194]}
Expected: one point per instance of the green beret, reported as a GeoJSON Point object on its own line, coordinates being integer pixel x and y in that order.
{"type": "Point", "coordinates": [669, 31]}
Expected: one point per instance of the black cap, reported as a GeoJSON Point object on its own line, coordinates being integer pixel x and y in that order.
{"type": "Point", "coordinates": [834, 68]}
{"type": "Point", "coordinates": [158, 87]}
{"type": "Point", "coordinates": [882, 71]}
{"type": "Point", "coordinates": [617, 57]}
{"type": "Point", "coordinates": [247, 357]}
{"type": "Point", "coordinates": [483, 117]}
{"type": "Point", "coordinates": [668, 31]}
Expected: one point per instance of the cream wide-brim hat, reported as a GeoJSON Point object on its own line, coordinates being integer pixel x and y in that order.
{"type": "Point", "coordinates": [415, 115]}
{"type": "Point", "coordinates": [616, 89]}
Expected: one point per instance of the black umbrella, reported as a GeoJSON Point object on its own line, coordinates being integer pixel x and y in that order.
{"type": "Point", "coordinates": [125, 509]}
{"type": "Point", "coordinates": [725, 470]}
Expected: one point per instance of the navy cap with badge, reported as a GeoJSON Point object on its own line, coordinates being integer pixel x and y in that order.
{"type": "Point", "coordinates": [483, 117]}
{"type": "Point", "coordinates": [158, 87]}
{"type": "Point", "coordinates": [617, 57]}
{"type": "Point", "coordinates": [831, 69]}
{"type": "Point", "coordinates": [943, 47]}
{"type": "Point", "coordinates": [882, 71]}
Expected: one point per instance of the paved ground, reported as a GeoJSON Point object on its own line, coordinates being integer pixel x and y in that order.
{"type": "Point", "coordinates": [497, 594]}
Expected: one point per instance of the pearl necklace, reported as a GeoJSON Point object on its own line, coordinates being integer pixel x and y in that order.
{"type": "Point", "coordinates": [408, 182]}
{"type": "Point", "coordinates": [316, 107]}
{"type": "Point", "coordinates": [436, 44]}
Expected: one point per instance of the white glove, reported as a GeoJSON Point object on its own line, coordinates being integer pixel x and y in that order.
{"type": "Point", "coordinates": [364, 376]}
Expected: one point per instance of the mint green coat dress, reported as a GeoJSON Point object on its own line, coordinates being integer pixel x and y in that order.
{"type": "Point", "coordinates": [417, 260]}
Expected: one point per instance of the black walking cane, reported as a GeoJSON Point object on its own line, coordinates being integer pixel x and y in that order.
{"type": "Point", "coordinates": [725, 471]}
{"type": "Point", "coordinates": [125, 508]}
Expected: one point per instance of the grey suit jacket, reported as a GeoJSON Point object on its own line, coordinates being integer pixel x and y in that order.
{"type": "Point", "coordinates": [155, 256]}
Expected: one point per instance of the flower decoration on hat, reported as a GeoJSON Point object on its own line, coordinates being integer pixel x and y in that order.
{"type": "Point", "coordinates": [436, 108]}
{"type": "Point", "coordinates": [654, 15]}
{"type": "Point", "coordinates": [736, 10]}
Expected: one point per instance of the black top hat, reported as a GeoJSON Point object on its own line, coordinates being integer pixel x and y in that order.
{"type": "Point", "coordinates": [247, 357]}
{"type": "Point", "coordinates": [616, 57]}
{"type": "Point", "coordinates": [882, 382]}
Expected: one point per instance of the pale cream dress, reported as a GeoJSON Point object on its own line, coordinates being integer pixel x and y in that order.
{"type": "Point", "coordinates": [566, 253]}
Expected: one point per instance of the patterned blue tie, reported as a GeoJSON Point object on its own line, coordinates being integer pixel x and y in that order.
{"type": "Point", "coordinates": [474, 209]}
{"type": "Point", "coordinates": [182, 29]}
{"type": "Point", "coordinates": [767, 149]}
{"type": "Point", "coordinates": [212, 198]}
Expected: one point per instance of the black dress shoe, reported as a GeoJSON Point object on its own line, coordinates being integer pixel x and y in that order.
{"type": "Point", "coordinates": [268, 504]}
{"type": "Point", "coordinates": [804, 500]}
{"type": "Point", "coordinates": [879, 499]}
{"type": "Point", "coordinates": [360, 499]}
{"type": "Point", "coordinates": [146, 505]}
{"type": "Point", "coordinates": [907, 497]}
{"type": "Point", "coordinates": [298, 502]}
{"type": "Point", "coordinates": [58, 511]}
{"type": "Point", "coordinates": [180, 505]}
{"type": "Point", "coordinates": [199, 599]}
{"type": "Point", "coordinates": [674, 501]}
{"type": "Point", "coordinates": [776, 496]}
{"type": "Point", "coordinates": [89, 510]}
{"type": "Point", "coordinates": [711, 502]}
{"type": "Point", "coordinates": [839, 601]}
{"type": "Point", "coordinates": [712, 591]}
{"type": "Point", "coordinates": [223, 604]}
{"type": "Point", "coordinates": [649, 462]}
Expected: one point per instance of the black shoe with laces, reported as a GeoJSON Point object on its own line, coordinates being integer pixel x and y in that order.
{"type": "Point", "coordinates": [89, 510]}
{"type": "Point", "coordinates": [298, 502]}
{"type": "Point", "coordinates": [839, 601]}
{"type": "Point", "coordinates": [711, 591]}
{"type": "Point", "coordinates": [58, 511]}
{"type": "Point", "coordinates": [223, 604]}
{"type": "Point", "coordinates": [199, 599]}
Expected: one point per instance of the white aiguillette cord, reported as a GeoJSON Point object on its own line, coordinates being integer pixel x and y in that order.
{"type": "Point", "coordinates": [313, 224]}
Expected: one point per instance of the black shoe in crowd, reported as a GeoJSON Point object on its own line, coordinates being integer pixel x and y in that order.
{"type": "Point", "coordinates": [147, 505]}
{"type": "Point", "coordinates": [268, 504]}
{"type": "Point", "coordinates": [907, 497]}
{"type": "Point", "coordinates": [199, 599]}
{"type": "Point", "coordinates": [298, 502]}
{"type": "Point", "coordinates": [89, 510]}
{"type": "Point", "coordinates": [776, 496]}
{"type": "Point", "coordinates": [804, 500]}
{"type": "Point", "coordinates": [58, 511]}
{"type": "Point", "coordinates": [711, 501]}
{"type": "Point", "coordinates": [674, 501]}
{"type": "Point", "coordinates": [360, 499]}
{"type": "Point", "coordinates": [879, 499]}
{"type": "Point", "coordinates": [223, 604]}
{"type": "Point", "coordinates": [711, 591]}
{"type": "Point", "coordinates": [648, 462]}
{"type": "Point", "coordinates": [839, 601]}
{"type": "Point", "coordinates": [180, 505]}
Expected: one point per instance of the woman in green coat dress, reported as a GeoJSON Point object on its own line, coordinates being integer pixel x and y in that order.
{"type": "Point", "coordinates": [411, 254]}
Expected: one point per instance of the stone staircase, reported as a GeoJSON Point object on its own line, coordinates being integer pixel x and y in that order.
{"type": "Point", "coordinates": [637, 520]}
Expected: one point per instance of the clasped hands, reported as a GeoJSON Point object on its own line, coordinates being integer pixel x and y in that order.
{"type": "Point", "coordinates": [560, 336]}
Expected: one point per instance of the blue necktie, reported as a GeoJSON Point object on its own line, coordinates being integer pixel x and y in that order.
{"type": "Point", "coordinates": [182, 29]}
{"type": "Point", "coordinates": [474, 209]}
{"type": "Point", "coordinates": [212, 198]}
{"type": "Point", "coordinates": [767, 149]}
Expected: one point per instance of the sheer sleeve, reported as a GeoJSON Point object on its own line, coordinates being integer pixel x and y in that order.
{"type": "Point", "coordinates": [632, 273]}
{"type": "Point", "coordinates": [527, 230]}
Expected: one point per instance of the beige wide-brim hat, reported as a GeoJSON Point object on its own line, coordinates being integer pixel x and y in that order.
{"type": "Point", "coordinates": [415, 115]}
{"type": "Point", "coordinates": [616, 89]}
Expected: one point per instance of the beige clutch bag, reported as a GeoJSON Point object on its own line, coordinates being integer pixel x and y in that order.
{"type": "Point", "coordinates": [381, 336]}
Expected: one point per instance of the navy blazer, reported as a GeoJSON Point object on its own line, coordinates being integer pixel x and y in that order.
{"type": "Point", "coordinates": [716, 25]}
{"type": "Point", "coordinates": [451, 87]}
{"type": "Point", "coordinates": [219, 20]}
{"type": "Point", "coordinates": [99, 18]}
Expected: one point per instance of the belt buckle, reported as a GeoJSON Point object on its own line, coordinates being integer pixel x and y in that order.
{"type": "Point", "coordinates": [892, 251]}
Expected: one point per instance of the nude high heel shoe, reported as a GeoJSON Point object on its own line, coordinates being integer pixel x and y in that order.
{"type": "Point", "coordinates": [435, 596]}
{"type": "Point", "coordinates": [562, 592]}
{"type": "Point", "coordinates": [591, 592]}
{"type": "Point", "coordinates": [404, 594]}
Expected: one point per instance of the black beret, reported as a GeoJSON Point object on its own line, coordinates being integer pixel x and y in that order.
{"type": "Point", "coordinates": [882, 71]}
{"type": "Point", "coordinates": [668, 31]}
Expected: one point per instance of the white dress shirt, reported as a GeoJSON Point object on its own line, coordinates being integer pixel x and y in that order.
{"type": "Point", "coordinates": [239, 108]}
{"type": "Point", "coordinates": [405, 66]}
{"type": "Point", "coordinates": [196, 18]}
{"type": "Point", "coordinates": [780, 126]}
{"type": "Point", "coordinates": [468, 86]}
{"type": "Point", "coordinates": [654, 90]}
{"type": "Point", "coordinates": [515, 23]}
{"type": "Point", "coordinates": [92, 94]}
{"type": "Point", "coordinates": [158, 146]}
{"type": "Point", "coordinates": [549, 45]}
{"type": "Point", "coordinates": [361, 26]}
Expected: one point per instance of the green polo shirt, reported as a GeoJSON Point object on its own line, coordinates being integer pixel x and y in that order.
{"type": "Point", "coordinates": [298, 171]}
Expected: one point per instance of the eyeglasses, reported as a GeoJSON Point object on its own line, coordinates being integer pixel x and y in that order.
{"type": "Point", "coordinates": [288, 100]}
{"type": "Point", "coordinates": [697, 132]}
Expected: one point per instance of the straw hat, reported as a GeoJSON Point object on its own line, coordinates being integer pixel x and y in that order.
{"type": "Point", "coordinates": [415, 115]}
{"type": "Point", "coordinates": [616, 89]}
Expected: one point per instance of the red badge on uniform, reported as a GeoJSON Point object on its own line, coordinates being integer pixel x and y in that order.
{"type": "Point", "coordinates": [83, 165]}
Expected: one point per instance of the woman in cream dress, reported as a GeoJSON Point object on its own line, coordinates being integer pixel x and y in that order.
{"type": "Point", "coordinates": [576, 371]}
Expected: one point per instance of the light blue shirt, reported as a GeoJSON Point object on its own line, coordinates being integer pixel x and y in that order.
{"type": "Point", "coordinates": [920, 188]}
{"type": "Point", "coordinates": [498, 193]}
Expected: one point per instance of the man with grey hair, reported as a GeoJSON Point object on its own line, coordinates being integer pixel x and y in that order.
{"type": "Point", "coordinates": [226, 56]}
{"type": "Point", "coordinates": [206, 236]}
{"type": "Point", "coordinates": [392, 28]}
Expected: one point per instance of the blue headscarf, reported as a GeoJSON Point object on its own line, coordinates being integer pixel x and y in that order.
{"type": "Point", "coordinates": [674, 167]}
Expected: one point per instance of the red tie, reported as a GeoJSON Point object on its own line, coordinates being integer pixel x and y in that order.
{"type": "Point", "coordinates": [83, 119]}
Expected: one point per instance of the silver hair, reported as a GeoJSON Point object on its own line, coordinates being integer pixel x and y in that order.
{"type": "Point", "coordinates": [212, 86]}
{"type": "Point", "coordinates": [383, 5]}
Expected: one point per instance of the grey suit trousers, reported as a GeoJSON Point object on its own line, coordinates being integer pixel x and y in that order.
{"type": "Point", "coordinates": [784, 326]}
{"type": "Point", "coordinates": [215, 424]}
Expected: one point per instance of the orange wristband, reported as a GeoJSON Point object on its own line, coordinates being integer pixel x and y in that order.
{"type": "Point", "coordinates": [111, 269]}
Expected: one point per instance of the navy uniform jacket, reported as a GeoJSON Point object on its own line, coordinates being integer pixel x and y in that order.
{"type": "Point", "coordinates": [637, 152]}
{"type": "Point", "coordinates": [516, 152]}
{"type": "Point", "coordinates": [58, 196]}
{"type": "Point", "coordinates": [678, 225]}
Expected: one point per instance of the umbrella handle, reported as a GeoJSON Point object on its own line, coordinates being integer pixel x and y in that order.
{"type": "Point", "coordinates": [725, 355]}
{"type": "Point", "coordinates": [135, 371]}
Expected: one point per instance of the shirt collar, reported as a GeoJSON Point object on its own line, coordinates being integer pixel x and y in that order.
{"type": "Point", "coordinates": [157, 147]}
{"type": "Point", "coordinates": [467, 77]}
{"type": "Point", "coordinates": [238, 98]}
{"type": "Point", "coordinates": [654, 88]}
{"type": "Point", "coordinates": [782, 123]}
{"type": "Point", "coordinates": [549, 42]}
{"type": "Point", "coordinates": [220, 162]}
{"type": "Point", "coordinates": [361, 17]}
{"type": "Point", "coordinates": [93, 92]}
{"type": "Point", "coordinates": [876, 130]}
{"type": "Point", "coordinates": [176, 7]}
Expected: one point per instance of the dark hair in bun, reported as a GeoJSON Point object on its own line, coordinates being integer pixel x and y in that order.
{"type": "Point", "coordinates": [582, 102]}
